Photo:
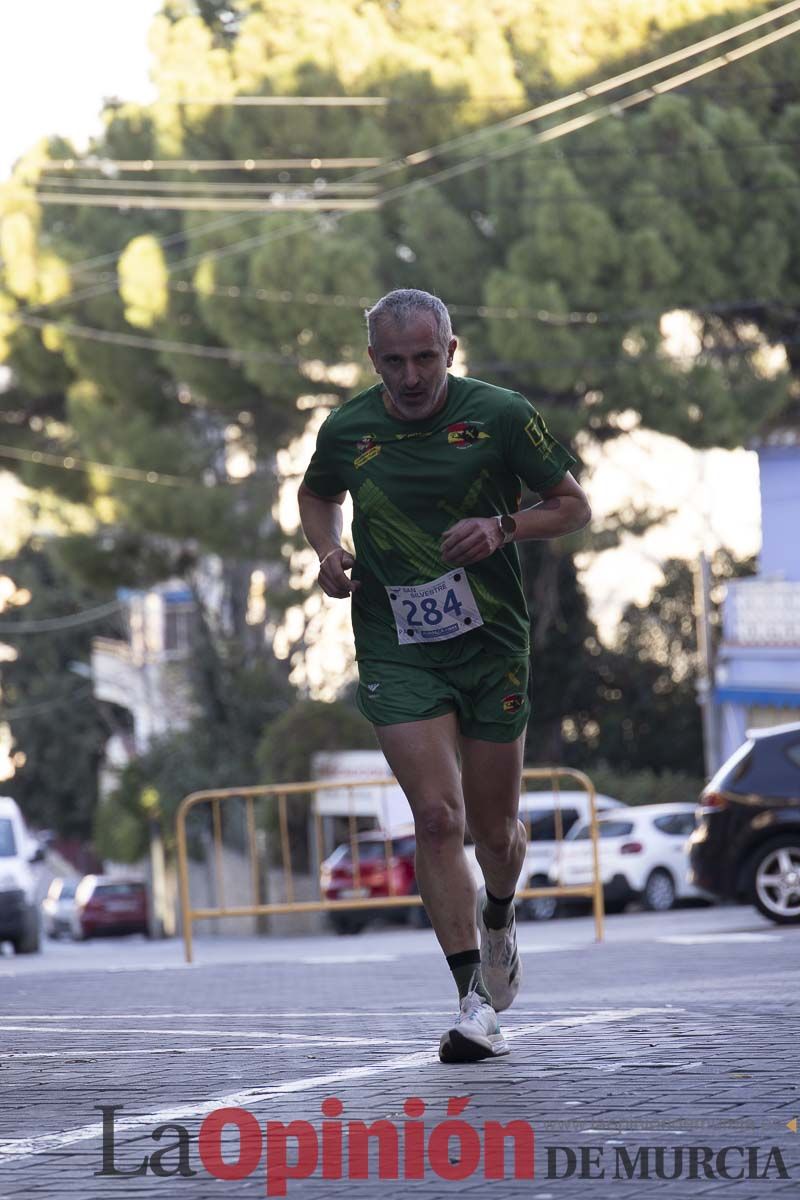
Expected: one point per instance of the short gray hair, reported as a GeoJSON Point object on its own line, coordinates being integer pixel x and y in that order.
{"type": "Point", "coordinates": [402, 305]}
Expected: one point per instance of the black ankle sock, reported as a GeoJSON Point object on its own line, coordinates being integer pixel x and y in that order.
{"type": "Point", "coordinates": [497, 912]}
{"type": "Point", "coordinates": [466, 969]}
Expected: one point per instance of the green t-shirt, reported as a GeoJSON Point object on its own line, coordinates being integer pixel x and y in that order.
{"type": "Point", "coordinates": [412, 480]}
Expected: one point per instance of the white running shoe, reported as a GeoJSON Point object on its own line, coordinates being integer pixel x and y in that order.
{"type": "Point", "coordinates": [500, 961]}
{"type": "Point", "coordinates": [475, 1033]}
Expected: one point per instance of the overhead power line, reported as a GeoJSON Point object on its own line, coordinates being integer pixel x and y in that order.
{"type": "Point", "coordinates": [186, 185]}
{"type": "Point", "coordinates": [69, 462]}
{"type": "Point", "coordinates": [284, 101]}
{"type": "Point", "coordinates": [207, 164]}
{"type": "Point", "coordinates": [561, 199]}
{"type": "Point", "coordinates": [616, 108]}
{"type": "Point", "coordinates": [79, 695]}
{"type": "Point", "coordinates": [139, 342]}
{"type": "Point", "coordinates": [87, 617]}
{"type": "Point", "coordinates": [276, 203]}
{"type": "Point", "coordinates": [531, 115]}
{"type": "Point", "coordinates": [507, 312]}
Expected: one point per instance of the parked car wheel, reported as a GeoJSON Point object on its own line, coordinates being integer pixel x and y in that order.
{"type": "Point", "coordinates": [29, 940]}
{"type": "Point", "coordinates": [540, 908]}
{"type": "Point", "coordinates": [659, 891]}
{"type": "Point", "coordinates": [347, 923]}
{"type": "Point", "coordinates": [775, 888]}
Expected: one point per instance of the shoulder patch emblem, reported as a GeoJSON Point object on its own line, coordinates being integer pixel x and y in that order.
{"type": "Point", "coordinates": [465, 433]}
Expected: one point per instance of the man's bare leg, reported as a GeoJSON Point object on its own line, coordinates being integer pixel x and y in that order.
{"type": "Point", "coordinates": [491, 775]}
{"type": "Point", "coordinates": [424, 758]}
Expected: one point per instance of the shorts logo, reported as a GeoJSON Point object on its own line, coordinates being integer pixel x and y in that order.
{"type": "Point", "coordinates": [465, 433]}
{"type": "Point", "coordinates": [367, 447]}
{"type": "Point", "coordinates": [373, 687]}
{"type": "Point", "coordinates": [513, 702]}
{"type": "Point", "coordinates": [513, 677]}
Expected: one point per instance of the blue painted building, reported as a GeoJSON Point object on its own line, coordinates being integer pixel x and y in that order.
{"type": "Point", "coordinates": [757, 673]}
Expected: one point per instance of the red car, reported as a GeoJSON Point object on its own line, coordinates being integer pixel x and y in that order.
{"type": "Point", "coordinates": [109, 904]}
{"type": "Point", "coordinates": [338, 880]}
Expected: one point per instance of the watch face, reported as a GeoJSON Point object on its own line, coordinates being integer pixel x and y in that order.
{"type": "Point", "coordinates": [508, 524]}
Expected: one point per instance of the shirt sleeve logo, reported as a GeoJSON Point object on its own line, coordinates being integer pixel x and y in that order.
{"type": "Point", "coordinates": [366, 448]}
{"type": "Point", "coordinates": [465, 433]}
{"type": "Point", "coordinates": [539, 436]}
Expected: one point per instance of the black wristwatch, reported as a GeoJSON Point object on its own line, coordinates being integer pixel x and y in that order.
{"type": "Point", "coordinates": [508, 527]}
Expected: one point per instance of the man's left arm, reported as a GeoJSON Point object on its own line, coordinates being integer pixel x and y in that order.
{"type": "Point", "coordinates": [564, 508]}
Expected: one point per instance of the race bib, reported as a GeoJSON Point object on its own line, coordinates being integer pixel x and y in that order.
{"type": "Point", "coordinates": [436, 611]}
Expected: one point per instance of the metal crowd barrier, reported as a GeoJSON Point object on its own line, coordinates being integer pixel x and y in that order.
{"type": "Point", "coordinates": [283, 792]}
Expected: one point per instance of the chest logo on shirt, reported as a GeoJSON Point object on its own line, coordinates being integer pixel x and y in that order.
{"type": "Point", "coordinates": [465, 433]}
{"type": "Point", "coordinates": [366, 448]}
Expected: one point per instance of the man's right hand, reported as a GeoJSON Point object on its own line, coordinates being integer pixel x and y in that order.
{"type": "Point", "coordinates": [332, 578]}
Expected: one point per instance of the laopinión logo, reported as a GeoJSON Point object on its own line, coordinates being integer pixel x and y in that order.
{"type": "Point", "coordinates": [665, 1162]}
{"type": "Point", "coordinates": [232, 1145]}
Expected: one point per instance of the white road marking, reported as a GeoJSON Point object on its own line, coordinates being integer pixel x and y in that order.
{"type": "Point", "coordinates": [705, 939]}
{"type": "Point", "coordinates": [305, 1042]}
{"type": "Point", "coordinates": [335, 960]}
{"type": "Point", "coordinates": [266, 1035]}
{"type": "Point", "coordinates": [307, 1015]}
{"type": "Point", "coordinates": [14, 1150]}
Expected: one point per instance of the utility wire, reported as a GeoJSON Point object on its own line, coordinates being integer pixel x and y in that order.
{"type": "Point", "coordinates": [87, 617]}
{"type": "Point", "coordinates": [32, 710]}
{"type": "Point", "coordinates": [183, 185]}
{"type": "Point", "coordinates": [198, 349]}
{"type": "Point", "coordinates": [614, 109]}
{"type": "Point", "coordinates": [541, 198]}
{"type": "Point", "coordinates": [600, 153]}
{"type": "Point", "coordinates": [551, 134]}
{"type": "Point", "coordinates": [70, 463]}
{"type": "Point", "coordinates": [508, 312]}
{"type": "Point", "coordinates": [275, 203]}
{"type": "Point", "coordinates": [283, 102]}
{"type": "Point", "coordinates": [531, 115]}
{"type": "Point", "coordinates": [208, 164]}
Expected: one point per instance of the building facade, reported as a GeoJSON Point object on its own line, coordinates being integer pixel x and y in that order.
{"type": "Point", "coordinates": [757, 672]}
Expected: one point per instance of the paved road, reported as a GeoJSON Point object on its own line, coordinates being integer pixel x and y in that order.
{"type": "Point", "coordinates": [681, 1031]}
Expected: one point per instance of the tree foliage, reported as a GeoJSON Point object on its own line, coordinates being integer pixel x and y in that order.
{"type": "Point", "coordinates": [559, 260]}
{"type": "Point", "coordinates": [59, 728]}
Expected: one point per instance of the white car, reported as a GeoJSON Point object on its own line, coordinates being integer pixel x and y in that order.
{"type": "Point", "coordinates": [58, 907]}
{"type": "Point", "coordinates": [642, 856]}
{"type": "Point", "coordinates": [539, 812]}
{"type": "Point", "coordinates": [19, 911]}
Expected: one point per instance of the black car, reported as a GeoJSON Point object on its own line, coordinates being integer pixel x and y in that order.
{"type": "Point", "coordinates": [746, 843]}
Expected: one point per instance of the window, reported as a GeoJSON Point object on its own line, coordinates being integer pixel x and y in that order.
{"type": "Point", "coordinates": [544, 827]}
{"type": "Point", "coordinates": [368, 852]}
{"type": "Point", "coordinates": [118, 889]}
{"type": "Point", "coordinates": [606, 829]}
{"type": "Point", "coordinates": [177, 628]}
{"type": "Point", "coordinates": [7, 844]}
{"type": "Point", "coordinates": [62, 889]}
{"type": "Point", "coordinates": [675, 824]}
{"type": "Point", "coordinates": [405, 847]}
{"type": "Point", "coordinates": [793, 753]}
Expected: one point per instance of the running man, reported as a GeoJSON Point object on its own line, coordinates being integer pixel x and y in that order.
{"type": "Point", "coordinates": [434, 463]}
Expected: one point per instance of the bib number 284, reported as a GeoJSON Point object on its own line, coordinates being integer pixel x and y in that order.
{"type": "Point", "coordinates": [436, 611]}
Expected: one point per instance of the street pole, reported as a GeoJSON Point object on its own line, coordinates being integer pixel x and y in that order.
{"type": "Point", "coordinates": [705, 650]}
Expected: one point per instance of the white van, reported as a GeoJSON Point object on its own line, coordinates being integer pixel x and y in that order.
{"type": "Point", "coordinates": [19, 912]}
{"type": "Point", "coordinates": [539, 812]}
